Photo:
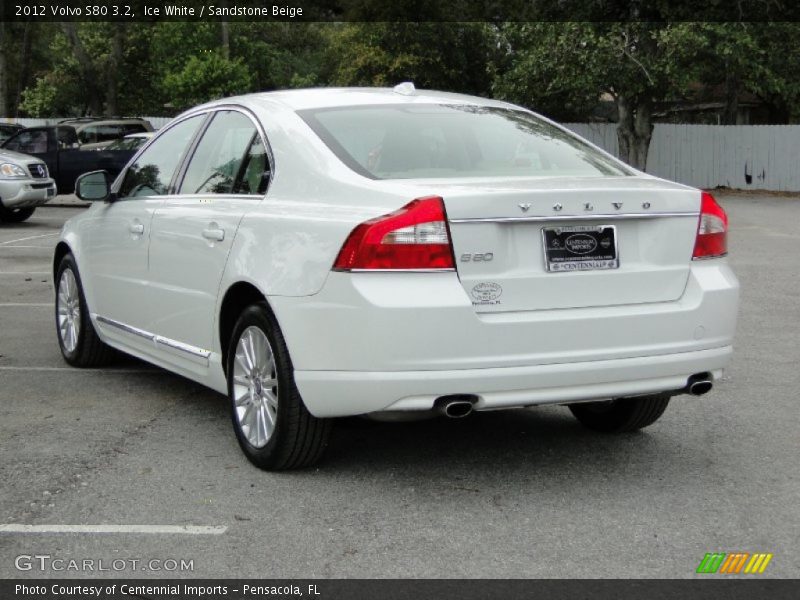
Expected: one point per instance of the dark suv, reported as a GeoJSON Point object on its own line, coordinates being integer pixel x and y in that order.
{"type": "Point", "coordinates": [94, 133]}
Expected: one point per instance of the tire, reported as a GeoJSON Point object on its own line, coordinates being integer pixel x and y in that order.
{"type": "Point", "coordinates": [619, 416]}
{"type": "Point", "coordinates": [15, 215]}
{"type": "Point", "coordinates": [272, 424]}
{"type": "Point", "coordinates": [77, 338]}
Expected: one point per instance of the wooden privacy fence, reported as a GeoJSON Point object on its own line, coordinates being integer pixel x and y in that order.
{"type": "Point", "coordinates": [757, 157]}
{"type": "Point", "coordinates": [746, 157]}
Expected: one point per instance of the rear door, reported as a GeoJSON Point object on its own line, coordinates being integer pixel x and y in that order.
{"type": "Point", "coordinates": [193, 231]}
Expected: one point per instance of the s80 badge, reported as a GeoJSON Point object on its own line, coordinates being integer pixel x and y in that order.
{"type": "Point", "coordinates": [477, 257]}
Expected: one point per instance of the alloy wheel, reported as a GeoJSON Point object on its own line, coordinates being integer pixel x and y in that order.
{"type": "Point", "coordinates": [68, 310]}
{"type": "Point", "coordinates": [255, 387]}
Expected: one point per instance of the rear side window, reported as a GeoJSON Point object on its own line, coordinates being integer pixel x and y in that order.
{"type": "Point", "coordinates": [152, 172]}
{"type": "Point", "coordinates": [94, 134]}
{"type": "Point", "coordinates": [229, 159]}
{"type": "Point", "coordinates": [28, 142]}
{"type": "Point", "coordinates": [439, 141]}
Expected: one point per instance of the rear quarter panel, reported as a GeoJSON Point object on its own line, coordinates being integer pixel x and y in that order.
{"type": "Point", "coordinates": [287, 246]}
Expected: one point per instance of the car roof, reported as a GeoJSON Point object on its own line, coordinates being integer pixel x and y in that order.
{"type": "Point", "coordinates": [84, 124]}
{"type": "Point", "coordinates": [140, 134]}
{"type": "Point", "coordinates": [316, 98]}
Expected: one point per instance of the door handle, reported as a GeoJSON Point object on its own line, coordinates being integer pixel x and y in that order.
{"type": "Point", "coordinates": [214, 234]}
{"type": "Point", "coordinates": [136, 228]}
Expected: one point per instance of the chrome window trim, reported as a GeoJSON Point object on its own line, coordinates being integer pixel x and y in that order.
{"type": "Point", "coordinates": [259, 129]}
{"type": "Point", "coordinates": [181, 167]}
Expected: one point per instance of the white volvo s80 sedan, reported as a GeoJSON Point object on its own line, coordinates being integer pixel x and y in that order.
{"type": "Point", "coordinates": [322, 253]}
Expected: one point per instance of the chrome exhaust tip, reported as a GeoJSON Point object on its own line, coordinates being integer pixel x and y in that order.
{"type": "Point", "coordinates": [455, 407]}
{"type": "Point", "coordinates": [698, 388]}
{"type": "Point", "coordinates": [699, 384]}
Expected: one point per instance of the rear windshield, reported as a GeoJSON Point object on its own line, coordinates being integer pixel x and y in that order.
{"type": "Point", "coordinates": [441, 141]}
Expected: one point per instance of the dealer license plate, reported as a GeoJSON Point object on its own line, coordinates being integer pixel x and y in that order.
{"type": "Point", "coordinates": [580, 248]}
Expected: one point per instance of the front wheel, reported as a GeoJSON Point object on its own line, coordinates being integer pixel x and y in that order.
{"type": "Point", "coordinates": [272, 425]}
{"type": "Point", "coordinates": [79, 343]}
{"type": "Point", "coordinates": [618, 416]}
{"type": "Point", "coordinates": [15, 215]}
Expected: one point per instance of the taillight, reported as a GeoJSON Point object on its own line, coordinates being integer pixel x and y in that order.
{"type": "Point", "coordinates": [414, 237]}
{"type": "Point", "coordinates": [712, 230]}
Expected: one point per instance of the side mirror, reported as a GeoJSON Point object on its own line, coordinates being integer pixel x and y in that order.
{"type": "Point", "coordinates": [94, 186]}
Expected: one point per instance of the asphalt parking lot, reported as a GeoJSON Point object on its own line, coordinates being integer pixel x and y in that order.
{"type": "Point", "coordinates": [524, 493]}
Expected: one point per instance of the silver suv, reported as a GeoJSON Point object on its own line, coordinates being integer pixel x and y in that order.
{"type": "Point", "coordinates": [25, 183]}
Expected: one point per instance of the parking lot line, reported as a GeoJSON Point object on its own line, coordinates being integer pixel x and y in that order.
{"type": "Point", "coordinates": [158, 529]}
{"type": "Point", "coordinates": [25, 273]}
{"type": "Point", "coordinates": [25, 239]}
{"type": "Point", "coordinates": [74, 370]}
{"type": "Point", "coordinates": [30, 247]}
{"type": "Point", "coordinates": [12, 304]}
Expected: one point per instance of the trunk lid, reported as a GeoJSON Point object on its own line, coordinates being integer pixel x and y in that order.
{"type": "Point", "coordinates": [498, 228]}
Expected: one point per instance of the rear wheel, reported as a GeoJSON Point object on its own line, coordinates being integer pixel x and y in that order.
{"type": "Point", "coordinates": [272, 425]}
{"type": "Point", "coordinates": [618, 416]}
{"type": "Point", "coordinates": [80, 345]}
{"type": "Point", "coordinates": [15, 215]}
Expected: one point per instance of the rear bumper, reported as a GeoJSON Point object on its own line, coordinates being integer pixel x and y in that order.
{"type": "Point", "coordinates": [397, 341]}
{"type": "Point", "coordinates": [26, 193]}
{"type": "Point", "coordinates": [341, 393]}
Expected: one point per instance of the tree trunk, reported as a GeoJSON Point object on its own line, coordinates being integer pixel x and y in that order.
{"type": "Point", "coordinates": [112, 75]}
{"type": "Point", "coordinates": [634, 130]}
{"type": "Point", "coordinates": [225, 35]}
{"type": "Point", "coordinates": [88, 71]}
{"type": "Point", "coordinates": [731, 111]}
{"type": "Point", "coordinates": [24, 68]}
{"type": "Point", "coordinates": [3, 72]}
{"type": "Point", "coordinates": [226, 39]}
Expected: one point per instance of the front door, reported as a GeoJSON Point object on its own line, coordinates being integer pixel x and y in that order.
{"type": "Point", "coordinates": [115, 248]}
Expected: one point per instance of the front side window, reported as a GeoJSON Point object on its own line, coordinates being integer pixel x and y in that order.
{"type": "Point", "coordinates": [67, 137]}
{"type": "Point", "coordinates": [405, 141]}
{"type": "Point", "coordinates": [7, 131]}
{"type": "Point", "coordinates": [229, 159]}
{"type": "Point", "coordinates": [152, 172]}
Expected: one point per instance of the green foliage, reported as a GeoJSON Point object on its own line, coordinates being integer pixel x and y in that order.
{"type": "Point", "coordinates": [558, 68]}
{"type": "Point", "coordinates": [550, 67]}
{"type": "Point", "coordinates": [207, 77]}
{"type": "Point", "coordinates": [562, 69]}
{"type": "Point", "coordinates": [444, 56]}
{"type": "Point", "coordinates": [51, 94]}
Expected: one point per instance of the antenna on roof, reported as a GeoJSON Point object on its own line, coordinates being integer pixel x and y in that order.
{"type": "Point", "coordinates": [406, 88]}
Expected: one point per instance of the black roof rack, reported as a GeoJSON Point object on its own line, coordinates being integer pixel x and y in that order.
{"type": "Point", "coordinates": [80, 120]}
